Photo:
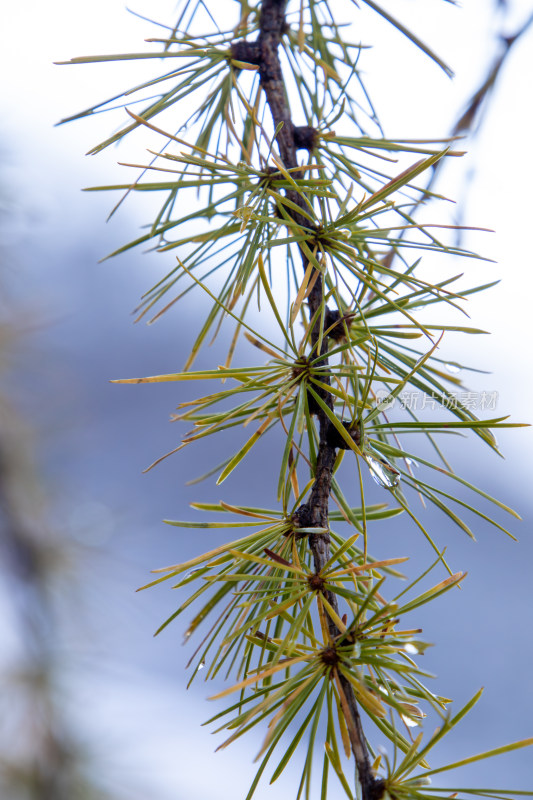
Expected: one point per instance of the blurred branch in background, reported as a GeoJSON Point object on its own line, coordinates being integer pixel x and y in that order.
{"type": "Point", "coordinates": [470, 122]}
{"type": "Point", "coordinates": [471, 119]}
{"type": "Point", "coordinates": [42, 754]}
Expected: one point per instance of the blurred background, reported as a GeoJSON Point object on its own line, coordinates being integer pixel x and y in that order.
{"type": "Point", "coordinates": [91, 704]}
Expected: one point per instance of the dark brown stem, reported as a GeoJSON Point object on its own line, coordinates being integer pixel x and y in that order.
{"type": "Point", "coordinates": [314, 513]}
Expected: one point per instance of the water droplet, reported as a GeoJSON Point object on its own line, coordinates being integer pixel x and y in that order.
{"type": "Point", "coordinates": [422, 780]}
{"type": "Point", "coordinates": [187, 635]}
{"type": "Point", "coordinates": [411, 648]}
{"type": "Point", "coordinates": [411, 462]}
{"type": "Point", "coordinates": [383, 750]}
{"type": "Point", "coordinates": [453, 367]}
{"type": "Point", "coordinates": [411, 723]}
{"type": "Point", "coordinates": [383, 473]}
{"type": "Point", "coordinates": [191, 573]}
{"type": "Point", "coordinates": [201, 665]}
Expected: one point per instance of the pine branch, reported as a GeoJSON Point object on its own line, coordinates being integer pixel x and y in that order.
{"type": "Point", "coordinates": [267, 582]}
{"type": "Point", "coordinates": [314, 513]}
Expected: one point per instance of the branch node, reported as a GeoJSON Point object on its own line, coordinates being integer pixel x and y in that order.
{"type": "Point", "coordinates": [336, 440]}
{"type": "Point", "coordinates": [337, 322]}
{"type": "Point", "coordinates": [376, 790]}
{"type": "Point", "coordinates": [247, 52]}
{"type": "Point", "coordinates": [316, 582]}
{"type": "Point", "coordinates": [329, 656]}
{"type": "Point", "coordinates": [305, 137]}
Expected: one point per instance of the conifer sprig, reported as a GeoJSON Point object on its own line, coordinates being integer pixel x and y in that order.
{"type": "Point", "coordinates": [287, 206]}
